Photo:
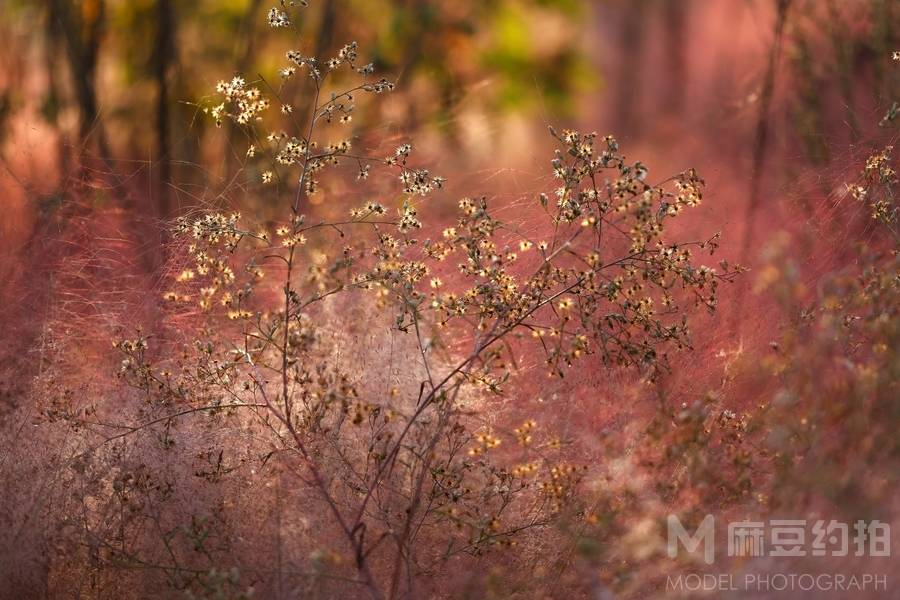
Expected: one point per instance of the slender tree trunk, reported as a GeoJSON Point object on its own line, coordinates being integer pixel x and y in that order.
{"type": "Point", "coordinates": [54, 97]}
{"type": "Point", "coordinates": [676, 50]}
{"type": "Point", "coordinates": [247, 36]}
{"type": "Point", "coordinates": [631, 49]}
{"type": "Point", "coordinates": [82, 35]}
{"type": "Point", "coordinates": [844, 48]}
{"type": "Point", "coordinates": [325, 35]}
{"type": "Point", "coordinates": [324, 40]}
{"type": "Point", "coordinates": [761, 137]}
{"type": "Point", "coordinates": [760, 145]}
{"type": "Point", "coordinates": [244, 49]}
{"type": "Point", "coordinates": [162, 60]}
{"type": "Point", "coordinates": [885, 39]}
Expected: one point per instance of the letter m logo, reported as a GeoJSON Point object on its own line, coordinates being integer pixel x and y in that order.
{"type": "Point", "coordinates": [705, 534]}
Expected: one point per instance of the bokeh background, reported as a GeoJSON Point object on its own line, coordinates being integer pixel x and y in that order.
{"type": "Point", "coordinates": [777, 103]}
{"type": "Point", "coordinates": [770, 97]}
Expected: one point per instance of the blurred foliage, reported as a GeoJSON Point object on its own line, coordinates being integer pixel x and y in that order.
{"type": "Point", "coordinates": [839, 49]}
{"type": "Point", "coordinates": [527, 50]}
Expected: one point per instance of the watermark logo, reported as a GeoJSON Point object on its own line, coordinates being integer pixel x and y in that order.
{"type": "Point", "coordinates": [705, 535]}
{"type": "Point", "coordinates": [769, 583]}
{"type": "Point", "coordinates": [781, 538]}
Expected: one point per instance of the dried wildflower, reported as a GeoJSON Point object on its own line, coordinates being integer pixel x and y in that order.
{"type": "Point", "coordinates": [278, 18]}
{"type": "Point", "coordinates": [874, 188]}
{"type": "Point", "coordinates": [601, 277]}
{"type": "Point", "coordinates": [246, 103]}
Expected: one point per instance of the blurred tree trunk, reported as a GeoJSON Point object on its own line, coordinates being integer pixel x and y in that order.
{"type": "Point", "coordinates": [761, 136]}
{"type": "Point", "coordinates": [808, 115]}
{"type": "Point", "coordinates": [53, 100]}
{"type": "Point", "coordinates": [675, 29]}
{"type": "Point", "coordinates": [82, 33]}
{"type": "Point", "coordinates": [844, 51]}
{"type": "Point", "coordinates": [248, 37]}
{"type": "Point", "coordinates": [163, 55]}
{"type": "Point", "coordinates": [326, 28]}
{"type": "Point", "coordinates": [324, 39]}
{"type": "Point", "coordinates": [631, 50]}
{"type": "Point", "coordinates": [417, 16]}
{"type": "Point", "coordinates": [244, 49]}
{"type": "Point", "coordinates": [885, 15]}
{"type": "Point", "coordinates": [760, 146]}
